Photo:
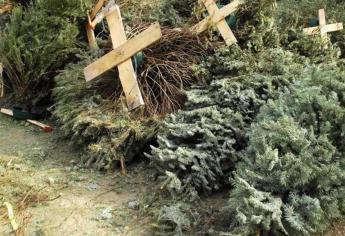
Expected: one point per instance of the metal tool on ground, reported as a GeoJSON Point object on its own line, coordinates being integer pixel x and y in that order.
{"type": "Point", "coordinates": [45, 128]}
{"type": "Point", "coordinates": [217, 17]}
{"type": "Point", "coordinates": [323, 29]}
{"type": "Point", "coordinates": [123, 51]}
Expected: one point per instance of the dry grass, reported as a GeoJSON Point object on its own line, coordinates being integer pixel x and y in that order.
{"type": "Point", "coordinates": [21, 192]}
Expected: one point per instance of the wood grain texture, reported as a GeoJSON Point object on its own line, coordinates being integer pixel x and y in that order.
{"type": "Point", "coordinates": [322, 17]}
{"type": "Point", "coordinates": [121, 56]}
{"type": "Point", "coordinates": [123, 52]}
{"type": "Point", "coordinates": [96, 9]}
{"type": "Point", "coordinates": [126, 71]}
{"type": "Point", "coordinates": [217, 16]}
{"type": "Point", "coordinates": [222, 25]}
{"type": "Point", "coordinates": [91, 36]}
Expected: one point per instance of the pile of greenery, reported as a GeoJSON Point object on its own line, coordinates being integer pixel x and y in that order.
{"type": "Point", "coordinates": [269, 118]}
{"type": "Point", "coordinates": [174, 13]}
{"type": "Point", "coordinates": [38, 41]}
{"type": "Point", "coordinates": [291, 179]}
{"type": "Point", "coordinates": [107, 130]}
{"type": "Point", "coordinates": [266, 115]}
{"type": "Point", "coordinates": [200, 145]}
{"type": "Point", "coordinates": [94, 114]}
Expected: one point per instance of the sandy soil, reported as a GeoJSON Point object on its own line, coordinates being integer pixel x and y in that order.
{"type": "Point", "coordinates": [51, 195]}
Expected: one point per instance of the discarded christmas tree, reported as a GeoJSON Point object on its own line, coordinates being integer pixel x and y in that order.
{"type": "Point", "coordinates": [200, 146]}
{"type": "Point", "coordinates": [291, 180]}
{"type": "Point", "coordinates": [38, 42]}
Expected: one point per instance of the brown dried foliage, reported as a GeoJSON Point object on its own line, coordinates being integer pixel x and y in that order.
{"type": "Point", "coordinates": [167, 69]}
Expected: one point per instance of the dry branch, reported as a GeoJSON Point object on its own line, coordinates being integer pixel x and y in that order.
{"type": "Point", "coordinates": [167, 69]}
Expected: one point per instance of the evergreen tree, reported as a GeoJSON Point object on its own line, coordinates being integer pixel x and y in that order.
{"type": "Point", "coordinates": [37, 42]}
{"type": "Point", "coordinates": [105, 128]}
{"type": "Point", "coordinates": [200, 145]}
{"type": "Point", "coordinates": [292, 178]}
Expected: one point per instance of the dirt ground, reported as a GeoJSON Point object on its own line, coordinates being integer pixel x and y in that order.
{"type": "Point", "coordinates": [52, 195]}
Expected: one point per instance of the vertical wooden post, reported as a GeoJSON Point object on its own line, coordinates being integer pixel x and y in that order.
{"type": "Point", "coordinates": [126, 71]}
{"type": "Point", "coordinates": [322, 23]}
{"type": "Point", "coordinates": [91, 34]}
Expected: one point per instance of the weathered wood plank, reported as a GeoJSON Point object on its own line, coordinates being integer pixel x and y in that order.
{"type": "Point", "coordinates": [312, 30]}
{"type": "Point", "coordinates": [101, 15]}
{"type": "Point", "coordinates": [226, 33]}
{"type": "Point", "coordinates": [123, 52]}
{"type": "Point", "coordinates": [222, 25]}
{"type": "Point", "coordinates": [91, 34]}
{"type": "Point", "coordinates": [96, 9]}
{"type": "Point", "coordinates": [6, 111]}
{"type": "Point", "coordinates": [322, 17]}
{"type": "Point", "coordinates": [126, 71]}
{"type": "Point", "coordinates": [334, 27]}
{"type": "Point", "coordinates": [221, 14]}
{"type": "Point", "coordinates": [45, 128]}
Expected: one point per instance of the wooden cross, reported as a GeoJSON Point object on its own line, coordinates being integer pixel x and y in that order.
{"type": "Point", "coordinates": [217, 17]}
{"type": "Point", "coordinates": [123, 51]}
{"type": "Point", "coordinates": [323, 28]}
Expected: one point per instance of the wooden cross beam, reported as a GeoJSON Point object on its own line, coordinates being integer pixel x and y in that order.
{"type": "Point", "coordinates": [217, 17]}
{"type": "Point", "coordinates": [122, 53]}
{"type": "Point", "coordinates": [323, 28]}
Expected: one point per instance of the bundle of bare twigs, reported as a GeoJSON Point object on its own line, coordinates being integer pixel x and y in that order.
{"type": "Point", "coordinates": [167, 69]}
